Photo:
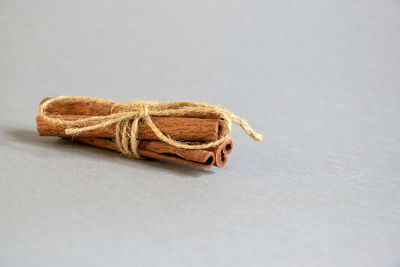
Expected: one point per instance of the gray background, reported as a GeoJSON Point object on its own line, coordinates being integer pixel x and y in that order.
{"type": "Point", "coordinates": [320, 80]}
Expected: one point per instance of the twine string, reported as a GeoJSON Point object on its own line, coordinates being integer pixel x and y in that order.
{"type": "Point", "coordinates": [128, 116]}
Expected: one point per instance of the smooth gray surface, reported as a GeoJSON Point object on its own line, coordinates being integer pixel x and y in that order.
{"type": "Point", "coordinates": [320, 80]}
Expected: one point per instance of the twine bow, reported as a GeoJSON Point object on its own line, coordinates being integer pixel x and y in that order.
{"type": "Point", "coordinates": [144, 110]}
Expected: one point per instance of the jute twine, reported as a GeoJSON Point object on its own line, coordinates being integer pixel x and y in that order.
{"type": "Point", "coordinates": [139, 110]}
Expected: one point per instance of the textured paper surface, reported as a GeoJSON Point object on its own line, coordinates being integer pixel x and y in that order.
{"type": "Point", "coordinates": [319, 79]}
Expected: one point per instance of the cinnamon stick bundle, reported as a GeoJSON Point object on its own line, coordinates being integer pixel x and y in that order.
{"type": "Point", "coordinates": [199, 128]}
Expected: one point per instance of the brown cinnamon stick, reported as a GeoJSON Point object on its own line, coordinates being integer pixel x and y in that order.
{"type": "Point", "coordinates": [158, 150]}
{"type": "Point", "coordinates": [92, 108]}
{"type": "Point", "coordinates": [221, 152]}
{"type": "Point", "coordinates": [178, 128]}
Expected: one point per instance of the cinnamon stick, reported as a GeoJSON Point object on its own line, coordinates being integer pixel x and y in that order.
{"type": "Point", "coordinates": [221, 152]}
{"type": "Point", "coordinates": [92, 108]}
{"type": "Point", "coordinates": [178, 128]}
{"type": "Point", "coordinates": [201, 159]}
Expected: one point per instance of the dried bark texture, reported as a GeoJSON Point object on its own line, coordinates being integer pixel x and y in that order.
{"type": "Point", "coordinates": [178, 128]}
{"type": "Point", "coordinates": [74, 107]}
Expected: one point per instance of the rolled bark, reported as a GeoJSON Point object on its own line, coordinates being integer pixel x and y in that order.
{"type": "Point", "coordinates": [178, 128]}
{"type": "Point", "coordinates": [93, 108]}
{"type": "Point", "coordinates": [201, 159]}
{"type": "Point", "coordinates": [221, 152]}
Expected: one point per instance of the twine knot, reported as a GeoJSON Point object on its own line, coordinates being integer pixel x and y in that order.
{"type": "Point", "coordinates": [128, 116]}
